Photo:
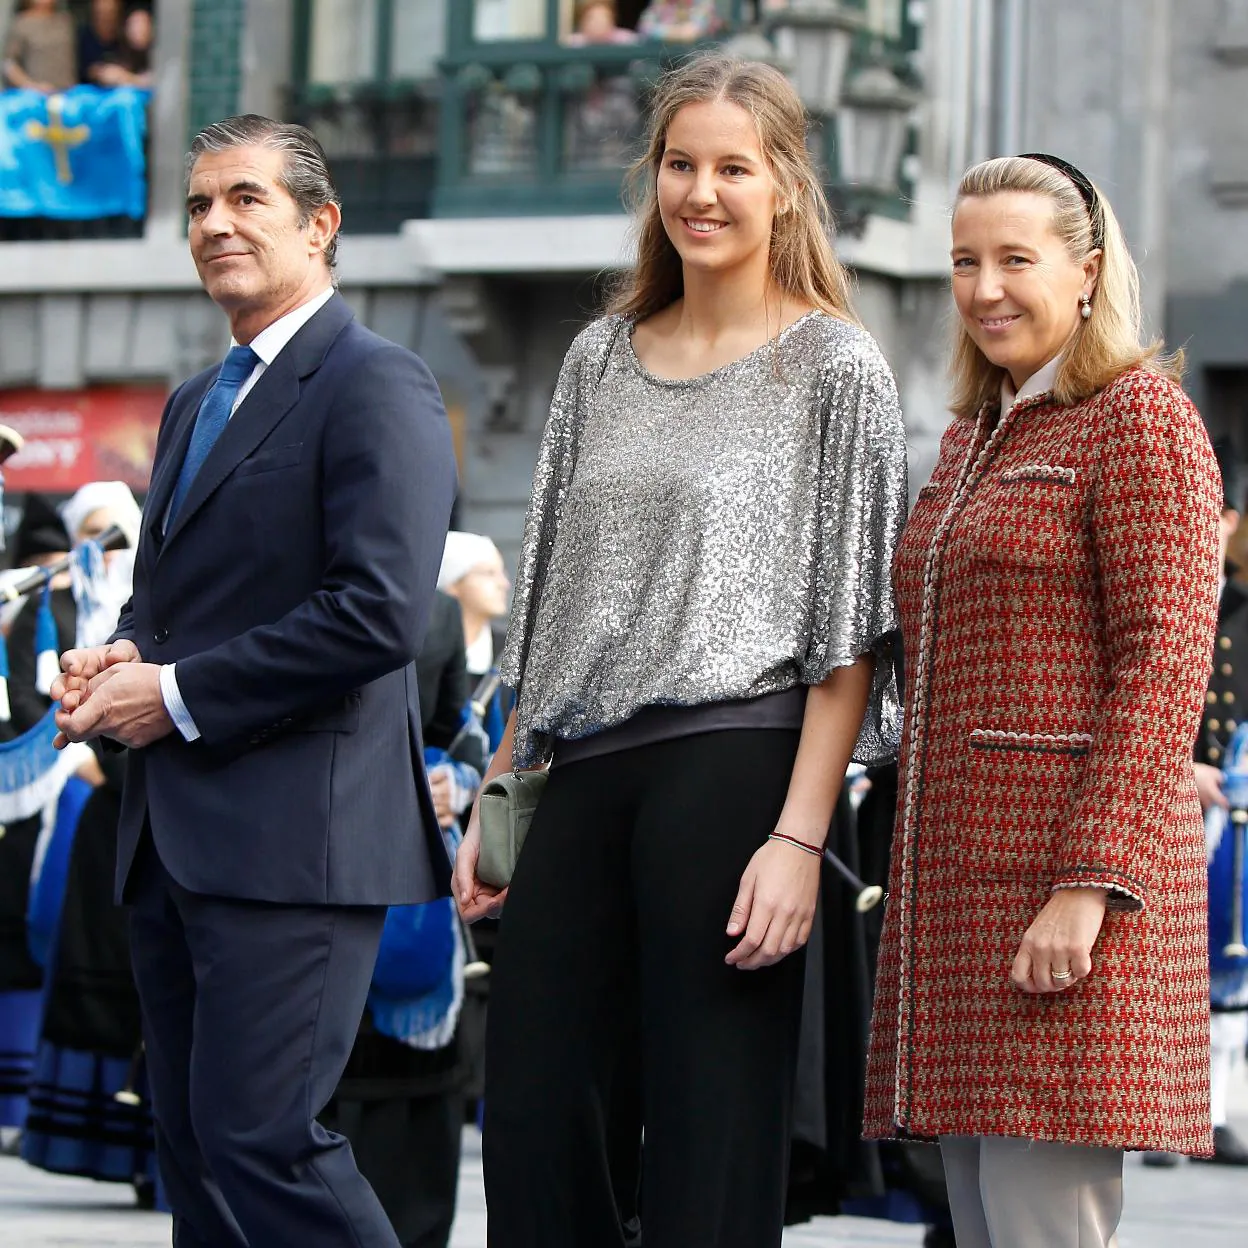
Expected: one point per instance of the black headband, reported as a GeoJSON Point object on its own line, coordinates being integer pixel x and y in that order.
{"type": "Point", "coordinates": [1087, 192]}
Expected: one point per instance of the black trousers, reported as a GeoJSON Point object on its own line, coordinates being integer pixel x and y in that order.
{"type": "Point", "coordinates": [249, 1014]}
{"type": "Point", "coordinates": [408, 1148]}
{"type": "Point", "coordinates": [610, 960]}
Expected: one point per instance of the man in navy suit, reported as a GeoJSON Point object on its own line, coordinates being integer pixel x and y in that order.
{"type": "Point", "coordinates": [262, 677]}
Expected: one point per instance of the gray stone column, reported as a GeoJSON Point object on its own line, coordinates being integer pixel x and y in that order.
{"type": "Point", "coordinates": [1098, 83]}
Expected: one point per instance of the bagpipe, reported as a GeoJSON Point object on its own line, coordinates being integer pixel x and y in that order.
{"type": "Point", "coordinates": [1226, 834]}
{"type": "Point", "coordinates": [32, 770]}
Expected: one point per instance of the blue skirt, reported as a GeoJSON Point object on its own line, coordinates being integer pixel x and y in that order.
{"type": "Point", "coordinates": [19, 1034]}
{"type": "Point", "coordinates": [75, 1124]}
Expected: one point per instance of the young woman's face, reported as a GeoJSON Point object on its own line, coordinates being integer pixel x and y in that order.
{"type": "Point", "coordinates": [1016, 288]}
{"type": "Point", "coordinates": [716, 194]}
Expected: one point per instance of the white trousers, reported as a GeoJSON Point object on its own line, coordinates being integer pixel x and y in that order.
{"type": "Point", "coordinates": [1228, 1034]}
{"type": "Point", "coordinates": [1012, 1193]}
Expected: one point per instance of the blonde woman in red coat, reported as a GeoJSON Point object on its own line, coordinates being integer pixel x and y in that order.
{"type": "Point", "coordinates": [1042, 1002]}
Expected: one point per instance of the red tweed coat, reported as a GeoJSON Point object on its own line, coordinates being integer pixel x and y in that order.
{"type": "Point", "coordinates": [1057, 583]}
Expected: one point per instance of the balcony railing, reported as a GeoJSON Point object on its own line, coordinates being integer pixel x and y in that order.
{"type": "Point", "coordinates": [550, 134]}
{"type": "Point", "coordinates": [381, 140]}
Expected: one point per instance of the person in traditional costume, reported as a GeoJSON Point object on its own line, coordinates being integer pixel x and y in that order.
{"type": "Point", "coordinates": [89, 1046]}
{"type": "Point", "coordinates": [1226, 708]}
{"type": "Point", "coordinates": [40, 538]}
{"type": "Point", "coordinates": [701, 638]}
{"type": "Point", "coordinates": [401, 1100]}
{"type": "Point", "coordinates": [473, 573]}
{"type": "Point", "coordinates": [1042, 992]}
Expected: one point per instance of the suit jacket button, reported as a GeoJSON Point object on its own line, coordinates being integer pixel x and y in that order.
{"type": "Point", "coordinates": [161, 636]}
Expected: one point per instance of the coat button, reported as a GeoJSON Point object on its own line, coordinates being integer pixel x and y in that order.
{"type": "Point", "coordinates": [1228, 697]}
{"type": "Point", "coordinates": [1211, 697]}
{"type": "Point", "coordinates": [1224, 643]}
{"type": "Point", "coordinates": [161, 636]}
{"type": "Point", "coordinates": [1214, 754]}
{"type": "Point", "coordinates": [1226, 669]}
{"type": "Point", "coordinates": [1215, 726]}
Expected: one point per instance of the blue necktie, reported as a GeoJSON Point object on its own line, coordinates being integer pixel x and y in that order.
{"type": "Point", "coordinates": [214, 415]}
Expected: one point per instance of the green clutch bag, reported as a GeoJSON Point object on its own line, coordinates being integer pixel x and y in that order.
{"type": "Point", "coordinates": [507, 806]}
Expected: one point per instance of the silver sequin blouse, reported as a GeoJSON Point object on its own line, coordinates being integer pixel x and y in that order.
{"type": "Point", "coordinates": [721, 537]}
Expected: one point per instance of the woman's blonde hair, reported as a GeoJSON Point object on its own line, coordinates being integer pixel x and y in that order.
{"type": "Point", "coordinates": [803, 263]}
{"type": "Point", "coordinates": [1106, 343]}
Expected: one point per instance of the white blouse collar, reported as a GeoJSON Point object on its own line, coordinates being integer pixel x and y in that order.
{"type": "Point", "coordinates": [1037, 383]}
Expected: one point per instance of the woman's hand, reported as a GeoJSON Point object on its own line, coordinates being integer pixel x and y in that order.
{"type": "Point", "coordinates": [775, 905]}
{"type": "Point", "coordinates": [1060, 940]}
{"type": "Point", "coordinates": [475, 899]}
{"type": "Point", "coordinates": [1209, 787]}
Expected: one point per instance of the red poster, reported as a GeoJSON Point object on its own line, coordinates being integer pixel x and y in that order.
{"type": "Point", "coordinates": [105, 433]}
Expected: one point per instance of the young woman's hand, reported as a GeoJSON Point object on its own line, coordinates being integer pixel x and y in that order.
{"type": "Point", "coordinates": [775, 905]}
{"type": "Point", "coordinates": [474, 899]}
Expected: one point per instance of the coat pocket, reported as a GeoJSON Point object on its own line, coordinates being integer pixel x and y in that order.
{"type": "Point", "coordinates": [271, 460]}
{"type": "Point", "coordinates": [1020, 790]}
{"type": "Point", "coordinates": [1028, 521]}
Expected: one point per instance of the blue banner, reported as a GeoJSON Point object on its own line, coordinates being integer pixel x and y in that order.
{"type": "Point", "coordinates": [74, 156]}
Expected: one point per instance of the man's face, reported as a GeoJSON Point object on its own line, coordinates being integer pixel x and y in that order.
{"type": "Point", "coordinates": [251, 252]}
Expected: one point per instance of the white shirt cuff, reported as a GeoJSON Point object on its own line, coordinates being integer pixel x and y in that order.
{"type": "Point", "coordinates": [172, 695]}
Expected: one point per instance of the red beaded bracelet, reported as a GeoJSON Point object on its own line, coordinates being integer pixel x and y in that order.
{"type": "Point", "coordinates": [792, 840]}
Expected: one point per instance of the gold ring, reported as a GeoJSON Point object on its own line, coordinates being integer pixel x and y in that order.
{"type": "Point", "coordinates": [1061, 974]}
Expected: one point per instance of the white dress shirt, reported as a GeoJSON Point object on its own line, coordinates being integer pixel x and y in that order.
{"type": "Point", "coordinates": [1040, 381]}
{"type": "Point", "coordinates": [267, 344]}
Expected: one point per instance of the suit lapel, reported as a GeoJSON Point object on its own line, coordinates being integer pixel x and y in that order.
{"type": "Point", "coordinates": [266, 404]}
{"type": "Point", "coordinates": [181, 424]}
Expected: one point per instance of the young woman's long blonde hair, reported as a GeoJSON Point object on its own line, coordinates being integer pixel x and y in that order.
{"type": "Point", "coordinates": [803, 263]}
{"type": "Point", "coordinates": [1108, 342]}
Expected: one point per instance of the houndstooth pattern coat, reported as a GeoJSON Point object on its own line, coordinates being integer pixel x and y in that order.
{"type": "Point", "coordinates": [1057, 583]}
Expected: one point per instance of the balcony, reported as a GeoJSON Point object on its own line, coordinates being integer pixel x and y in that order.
{"type": "Point", "coordinates": [482, 109]}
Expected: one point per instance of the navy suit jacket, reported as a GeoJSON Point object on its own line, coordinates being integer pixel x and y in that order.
{"type": "Point", "coordinates": [292, 590]}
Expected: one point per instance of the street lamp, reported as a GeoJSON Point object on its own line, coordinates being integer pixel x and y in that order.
{"type": "Point", "coordinates": [815, 37]}
{"type": "Point", "coordinates": [871, 126]}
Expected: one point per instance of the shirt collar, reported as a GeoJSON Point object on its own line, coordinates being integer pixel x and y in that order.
{"type": "Point", "coordinates": [268, 343]}
{"type": "Point", "coordinates": [1038, 383]}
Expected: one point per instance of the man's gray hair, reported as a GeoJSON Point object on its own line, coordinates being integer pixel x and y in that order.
{"type": "Point", "coordinates": [305, 172]}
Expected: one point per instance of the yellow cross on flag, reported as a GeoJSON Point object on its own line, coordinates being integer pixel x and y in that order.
{"type": "Point", "coordinates": [60, 137]}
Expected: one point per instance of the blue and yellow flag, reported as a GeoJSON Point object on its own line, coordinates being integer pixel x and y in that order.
{"type": "Point", "coordinates": [75, 155]}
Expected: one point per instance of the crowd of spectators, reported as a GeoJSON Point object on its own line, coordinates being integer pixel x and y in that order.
{"type": "Point", "coordinates": [46, 50]}
{"type": "Point", "coordinates": [673, 21]}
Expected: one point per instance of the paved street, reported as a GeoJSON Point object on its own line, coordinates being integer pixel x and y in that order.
{"type": "Point", "coordinates": [1188, 1207]}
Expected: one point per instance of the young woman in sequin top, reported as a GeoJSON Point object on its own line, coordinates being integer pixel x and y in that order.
{"type": "Point", "coordinates": [701, 638]}
{"type": "Point", "coordinates": [1042, 988]}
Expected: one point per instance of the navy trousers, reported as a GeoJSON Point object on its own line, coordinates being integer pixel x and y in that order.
{"type": "Point", "coordinates": [249, 1013]}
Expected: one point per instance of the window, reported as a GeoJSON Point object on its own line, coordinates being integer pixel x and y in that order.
{"type": "Point", "coordinates": [884, 18]}
{"type": "Point", "coordinates": [417, 38]}
{"type": "Point", "coordinates": [509, 19]}
{"type": "Point", "coordinates": [343, 45]}
{"type": "Point", "coordinates": [366, 40]}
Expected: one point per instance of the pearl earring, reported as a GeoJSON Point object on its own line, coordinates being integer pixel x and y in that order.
{"type": "Point", "coordinates": [1085, 306]}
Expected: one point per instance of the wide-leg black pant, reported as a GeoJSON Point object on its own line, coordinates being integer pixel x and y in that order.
{"type": "Point", "coordinates": [611, 952]}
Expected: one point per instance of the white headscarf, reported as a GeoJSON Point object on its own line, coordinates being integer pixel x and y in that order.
{"type": "Point", "coordinates": [114, 495]}
{"type": "Point", "coordinates": [462, 553]}
{"type": "Point", "coordinates": [102, 587]}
